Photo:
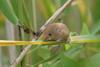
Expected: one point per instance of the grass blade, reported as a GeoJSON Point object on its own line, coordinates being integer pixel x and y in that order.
{"type": "Point", "coordinates": [86, 39]}
{"type": "Point", "coordinates": [7, 10]}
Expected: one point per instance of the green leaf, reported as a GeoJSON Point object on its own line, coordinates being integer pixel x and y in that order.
{"type": "Point", "coordinates": [30, 13]}
{"type": "Point", "coordinates": [62, 62]}
{"type": "Point", "coordinates": [48, 4]}
{"type": "Point", "coordinates": [66, 62]}
{"type": "Point", "coordinates": [44, 52]}
{"type": "Point", "coordinates": [35, 57]}
{"type": "Point", "coordinates": [7, 10]}
{"type": "Point", "coordinates": [47, 65]}
{"type": "Point", "coordinates": [26, 12]}
{"type": "Point", "coordinates": [85, 29]}
{"type": "Point", "coordinates": [47, 7]}
{"type": "Point", "coordinates": [96, 28]}
{"type": "Point", "coordinates": [74, 51]}
{"type": "Point", "coordinates": [21, 15]}
{"type": "Point", "coordinates": [57, 64]}
{"type": "Point", "coordinates": [93, 61]}
{"type": "Point", "coordinates": [95, 9]}
{"type": "Point", "coordinates": [15, 6]}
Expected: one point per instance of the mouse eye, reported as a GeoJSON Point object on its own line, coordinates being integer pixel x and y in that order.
{"type": "Point", "coordinates": [49, 34]}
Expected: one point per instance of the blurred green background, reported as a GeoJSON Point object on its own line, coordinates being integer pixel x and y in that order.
{"type": "Point", "coordinates": [83, 17]}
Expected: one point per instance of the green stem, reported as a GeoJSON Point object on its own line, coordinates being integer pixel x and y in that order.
{"type": "Point", "coordinates": [85, 39]}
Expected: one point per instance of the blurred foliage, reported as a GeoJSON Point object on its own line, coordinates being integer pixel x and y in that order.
{"type": "Point", "coordinates": [82, 17]}
{"type": "Point", "coordinates": [2, 29]}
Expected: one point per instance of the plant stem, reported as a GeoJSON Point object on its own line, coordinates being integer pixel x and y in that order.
{"type": "Point", "coordinates": [52, 19]}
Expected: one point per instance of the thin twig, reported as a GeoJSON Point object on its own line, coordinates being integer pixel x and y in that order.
{"type": "Point", "coordinates": [50, 20]}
